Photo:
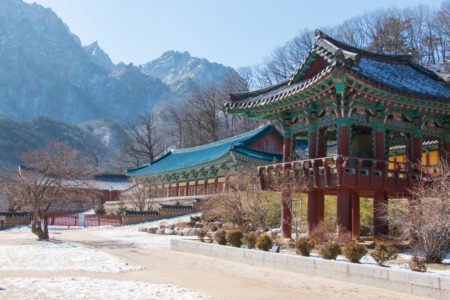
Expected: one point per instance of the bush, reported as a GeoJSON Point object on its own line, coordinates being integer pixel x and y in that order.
{"type": "Point", "coordinates": [201, 235]}
{"type": "Point", "coordinates": [417, 263]}
{"type": "Point", "coordinates": [121, 208]}
{"type": "Point", "coordinates": [214, 228]}
{"type": "Point", "coordinates": [383, 253]}
{"type": "Point", "coordinates": [354, 251]}
{"type": "Point", "coordinates": [330, 250]}
{"type": "Point", "coordinates": [221, 237]}
{"type": "Point", "coordinates": [250, 240]}
{"type": "Point", "coordinates": [264, 242]}
{"type": "Point", "coordinates": [324, 231]}
{"type": "Point", "coordinates": [100, 210]}
{"type": "Point", "coordinates": [304, 246]}
{"type": "Point", "coordinates": [195, 218]}
{"type": "Point", "coordinates": [234, 238]}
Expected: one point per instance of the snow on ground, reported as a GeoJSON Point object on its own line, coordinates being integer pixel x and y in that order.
{"type": "Point", "coordinates": [90, 288]}
{"type": "Point", "coordinates": [59, 256]}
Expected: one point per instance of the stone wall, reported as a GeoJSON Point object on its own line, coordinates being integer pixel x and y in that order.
{"type": "Point", "coordinates": [8, 222]}
{"type": "Point", "coordinates": [128, 220]}
{"type": "Point", "coordinates": [421, 284]}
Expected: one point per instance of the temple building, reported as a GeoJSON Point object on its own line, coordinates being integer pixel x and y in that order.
{"type": "Point", "coordinates": [202, 170]}
{"type": "Point", "coordinates": [355, 124]}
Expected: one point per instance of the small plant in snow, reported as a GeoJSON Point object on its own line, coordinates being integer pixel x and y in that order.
{"type": "Point", "coordinates": [384, 253]}
{"type": "Point", "coordinates": [417, 263]}
{"type": "Point", "coordinates": [264, 242]}
{"type": "Point", "coordinates": [353, 251]}
{"type": "Point", "coordinates": [304, 246]}
{"type": "Point", "coordinates": [330, 250]}
{"type": "Point", "coordinates": [220, 237]}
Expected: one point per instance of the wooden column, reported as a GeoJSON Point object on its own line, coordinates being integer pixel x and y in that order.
{"type": "Point", "coordinates": [216, 185]}
{"type": "Point", "coordinates": [177, 190]}
{"type": "Point", "coordinates": [379, 143]}
{"type": "Point", "coordinates": [416, 147]}
{"type": "Point", "coordinates": [343, 210]}
{"type": "Point", "coordinates": [205, 186]}
{"type": "Point", "coordinates": [187, 186]}
{"type": "Point", "coordinates": [355, 216]}
{"type": "Point", "coordinates": [312, 211]}
{"type": "Point", "coordinates": [343, 139]}
{"type": "Point", "coordinates": [446, 149]}
{"type": "Point", "coordinates": [320, 199]}
{"type": "Point", "coordinates": [286, 195]}
{"type": "Point", "coordinates": [195, 187]}
{"type": "Point", "coordinates": [312, 143]}
{"type": "Point", "coordinates": [380, 202]}
{"type": "Point", "coordinates": [286, 216]}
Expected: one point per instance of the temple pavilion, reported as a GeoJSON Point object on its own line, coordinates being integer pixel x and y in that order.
{"type": "Point", "coordinates": [203, 170]}
{"type": "Point", "coordinates": [368, 121]}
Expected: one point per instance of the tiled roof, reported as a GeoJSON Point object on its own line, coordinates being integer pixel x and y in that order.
{"type": "Point", "coordinates": [202, 155]}
{"type": "Point", "coordinates": [390, 72]}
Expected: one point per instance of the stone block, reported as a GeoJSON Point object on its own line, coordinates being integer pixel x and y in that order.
{"type": "Point", "coordinates": [299, 264]}
{"type": "Point", "coordinates": [368, 271]}
{"type": "Point", "coordinates": [414, 278]}
{"type": "Point", "coordinates": [331, 269]}
{"type": "Point", "coordinates": [274, 260]}
{"type": "Point", "coordinates": [204, 249]}
{"type": "Point", "coordinates": [444, 283]}
{"type": "Point", "coordinates": [254, 257]}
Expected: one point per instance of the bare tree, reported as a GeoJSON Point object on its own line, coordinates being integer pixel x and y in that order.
{"type": "Point", "coordinates": [424, 219]}
{"type": "Point", "coordinates": [141, 195]}
{"type": "Point", "coordinates": [50, 173]}
{"type": "Point", "coordinates": [143, 143]}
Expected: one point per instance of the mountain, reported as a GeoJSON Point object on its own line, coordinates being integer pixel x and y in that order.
{"type": "Point", "coordinates": [182, 72]}
{"type": "Point", "coordinates": [17, 137]}
{"type": "Point", "coordinates": [45, 70]}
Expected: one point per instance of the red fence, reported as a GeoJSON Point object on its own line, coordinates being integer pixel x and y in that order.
{"type": "Point", "coordinates": [102, 220]}
{"type": "Point", "coordinates": [60, 219]}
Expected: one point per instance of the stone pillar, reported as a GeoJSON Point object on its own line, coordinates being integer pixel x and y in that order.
{"type": "Point", "coordinates": [355, 216]}
{"type": "Point", "coordinates": [286, 216]}
{"type": "Point", "coordinates": [312, 211]}
{"type": "Point", "coordinates": [343, 210]}
{"type": "Point", "coordinates": [380, 202]}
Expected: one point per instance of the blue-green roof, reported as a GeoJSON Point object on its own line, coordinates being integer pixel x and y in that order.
{"type": "Point", "coordinates": [202, 155]}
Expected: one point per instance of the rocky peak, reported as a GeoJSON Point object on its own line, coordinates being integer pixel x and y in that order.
{"type": "Point", "coordinates": [98, 56]}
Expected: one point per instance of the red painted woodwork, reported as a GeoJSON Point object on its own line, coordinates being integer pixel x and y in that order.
{"type": "Point", "coordinates": [286, 216]}
{"type": "Point", "coordinates": [379, 145]}
{"type": "Point", "coordinates": [355, 216]}
{"type": "Point", "coordinates": [320, 199]}
{"type": "Point", "coordinates": [344, 140]}
{"type": "Point", "coordinates": [312, 142]}
{"type": "Point", "coordinates": [343, 210]}
{"type": "Point", "coordinates": [446, 148]}
{"type": "Point", "coordinates": [416, 149]}
{"type": "Point", "coordinates": [287, 148]}
{"type": "Point", "coordinates": [380, 201]}
{"type": "Point", "coordinates": [316, 66]}
{"type": "Point", "coordinates": [269, 143]}
{"type": "Point", "coordinates": [312, 210]}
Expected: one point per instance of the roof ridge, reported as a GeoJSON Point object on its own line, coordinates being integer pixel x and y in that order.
{"type": "Point", "coordinates": [222, 142]}
{"type": "Point", "coordinates": [400, 58]}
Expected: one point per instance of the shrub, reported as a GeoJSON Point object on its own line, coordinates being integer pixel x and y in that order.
{"type": "Point", "coordinates": [210, 238]}
{"type": "Point", "coordinates": [264, 242]}
{"type": "Point", "coordinates": [234, 238]}
{"type": "Point", "coordinates": [304, 246]}
{"type": "Point", "coordinates": [383, 253]}
{"type": "Point", "coordinates": [100, 210]}
{"type": "Point", "coordinates": [121, 208]}
{"type": "Point", "coordinates": [220, 237]}
{"type": "Point", "coordinates": [324, 231]}
{"type": "Point", "coordinates": [354, 251]}
{"type": "Point", "coordinates": [201, 235]}
{"type": "Point", "coordinates": [250, 240]}
{"type": "Point", "coordinates": [214, 228]}
{"type": "Point", "coordinates": [195, 218]}
{"type": "Point", "coordinates": [417, 263]}
{"type": "Point", "coordinates": [330, 250]}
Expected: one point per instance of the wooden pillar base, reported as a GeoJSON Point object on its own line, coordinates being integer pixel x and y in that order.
{"type": "Point", "coordinates": [380, 206]}
{"type": "Point", "coordinates": [343, 211]}
{"type": "Point", "coordinates": [355, 216]}
{"type": "Point", "coordinates": [286, 215]}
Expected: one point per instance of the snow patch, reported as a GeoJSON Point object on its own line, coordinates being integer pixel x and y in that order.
{"type": "Point", "coordinates": [59, 256]}
{"type": "Point", "coordinates": [90, 288]}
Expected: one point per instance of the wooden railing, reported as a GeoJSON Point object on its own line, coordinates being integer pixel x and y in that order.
{"type": "Point", "coordinates": [340, 171]}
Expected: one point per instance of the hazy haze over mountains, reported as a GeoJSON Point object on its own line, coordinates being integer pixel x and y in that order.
{"type": "Point", "coordinates": [44, 70]}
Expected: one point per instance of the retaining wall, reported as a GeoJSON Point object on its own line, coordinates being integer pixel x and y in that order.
{"type": "Point", "coordinates": [421, 284]}
{"type": "Point", "coordinates": [127, 220]}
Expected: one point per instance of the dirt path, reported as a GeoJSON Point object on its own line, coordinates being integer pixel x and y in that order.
{"type": "Point", "coordinates": [217, 278]}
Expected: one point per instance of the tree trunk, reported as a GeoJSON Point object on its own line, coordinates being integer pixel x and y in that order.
{"type": "Point", "coordinates": [36, 227]}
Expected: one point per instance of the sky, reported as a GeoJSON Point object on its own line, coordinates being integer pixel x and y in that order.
{"type": "Point", "coordinates": [235, 33]}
